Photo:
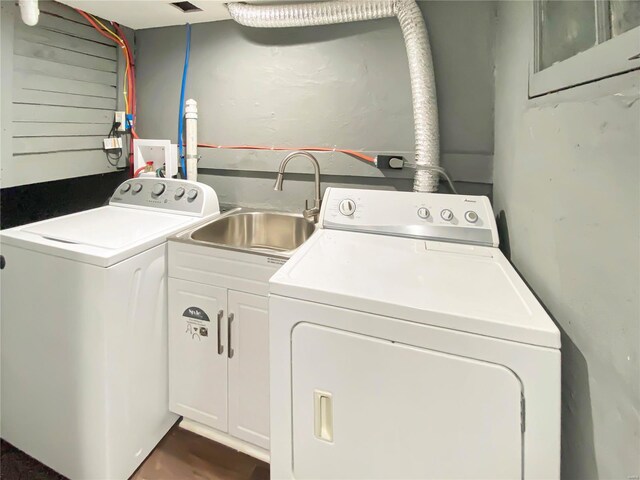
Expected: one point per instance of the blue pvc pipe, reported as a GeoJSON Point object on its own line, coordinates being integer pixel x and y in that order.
{"type": "Point", "coordinates": [183, 163]}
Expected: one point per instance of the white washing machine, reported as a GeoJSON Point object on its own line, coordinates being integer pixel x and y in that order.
{"type": "Point", "coordinates": [84, 329]}
{"type": "Point", "coordinates": [404, 345]}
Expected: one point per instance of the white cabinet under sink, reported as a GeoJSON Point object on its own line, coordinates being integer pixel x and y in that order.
{"type": "Point", "coordinates": [198, 368]}
{"type": "Point", "coordinates": [249, 368]}
{"type": "Point", "coordinates": [219, 343]}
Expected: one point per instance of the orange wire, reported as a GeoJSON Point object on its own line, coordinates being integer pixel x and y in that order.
{"type": "Point", "coordinates": [129, 72]}
{"type": "Point", "coordinates": [105, 32]}
{"type": "Point", "coordinates": [352, 153]}
{"type": "Point", "coordinates": [129, 53]}
{"type": "Point", "coordinates": [100, 31]}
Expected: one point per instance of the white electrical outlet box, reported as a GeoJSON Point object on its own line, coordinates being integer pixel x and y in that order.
{"type": "Point", "coordinates": [121, 118]}
{"type": "Point", "coordinates": [112, 143]}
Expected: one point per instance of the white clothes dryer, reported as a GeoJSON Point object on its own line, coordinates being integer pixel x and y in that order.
{"type": "Point", "coordinates": [403, 344]}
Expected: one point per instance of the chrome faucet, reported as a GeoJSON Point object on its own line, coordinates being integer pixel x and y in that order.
{"type": "Point", "coordinates": [308, 213]}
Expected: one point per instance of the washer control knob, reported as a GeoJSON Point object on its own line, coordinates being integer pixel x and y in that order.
{"type": "Point", "coordinates": [347, 207]}
{"type": "Point", "coordinates": [179, 192]}
{"type": "Point", "coordinates": [137, 187]}
{"type": "Point", "coordinates": [471, 216]}
{"type": "Point", "coordinates": [125, 188]}
{"type": "Point", "coordinates": [193, 193]}
{"type": "Point", "coordinates": [446, 214]}
{"type": "Point", "coordinates": [423, 212]}
{"type": "Point", "coordinates": [158, 189]}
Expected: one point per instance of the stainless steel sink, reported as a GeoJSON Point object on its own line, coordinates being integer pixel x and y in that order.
{"type": "Point", "coordinates": [261, 232]}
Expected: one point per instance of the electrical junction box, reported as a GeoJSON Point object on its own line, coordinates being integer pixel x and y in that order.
{"type": "Point", "coordinates": [160, 152]}
{"type": "Point", "coordinates": [112, 143]}
{"type": "Point", "coordinates": [393, 162]}
{"type": "Point", "coordinates": [121, 118]}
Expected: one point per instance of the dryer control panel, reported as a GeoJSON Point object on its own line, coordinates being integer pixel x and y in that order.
{"type": "Point", "coordinates": [430, 216]}
{"type": "Point", "coordinates": [167, 194]}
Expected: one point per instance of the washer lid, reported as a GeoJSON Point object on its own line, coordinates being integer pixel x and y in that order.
{"type": "Point", "coordinates": [103, 236]}
{"type": "Point", "coordinates": [110, 228]}
{"type": "Point", "coordinates": [462, 287]}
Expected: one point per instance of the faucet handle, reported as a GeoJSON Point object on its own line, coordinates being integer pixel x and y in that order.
{"type": "Point", "coordinates": [307, 213]}
{"type": "Point", "coordinates": [310, 213]}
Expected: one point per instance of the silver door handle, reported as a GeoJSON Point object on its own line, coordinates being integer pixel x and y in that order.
{"type": "Point", "coordinates": [220, 347]}
{"type": "Point", "coordinates": [229, 349]}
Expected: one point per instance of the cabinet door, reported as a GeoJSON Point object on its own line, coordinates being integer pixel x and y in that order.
{"type": "Point", "coordinates": [370, 408]}
{"type": "Point", "coordinates": [197, 352]}
{"type": "Point", "coordinates": [249, 368]}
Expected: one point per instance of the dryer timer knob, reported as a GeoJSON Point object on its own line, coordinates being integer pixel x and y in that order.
{"type": "Point", "coordinates": [423, 212]}
{"type": "Point", "coordinates": [347, 207]}
{"type": "Point", "coordinates": [447, 215]}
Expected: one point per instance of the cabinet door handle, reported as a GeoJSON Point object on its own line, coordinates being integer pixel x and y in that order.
{"type": "Point", "coordinates": [220, 347]}
{"type": "Point", "coordinates": [229, 349]}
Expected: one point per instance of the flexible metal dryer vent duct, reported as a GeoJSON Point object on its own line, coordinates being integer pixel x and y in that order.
{"type": "Point", "coordinates": [423, 87]}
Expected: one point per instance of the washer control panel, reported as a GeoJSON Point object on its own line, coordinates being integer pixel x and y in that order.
{"type": "Point", "coordinates": [433, 216]}
{"type": "Point", "coordinates": [446, 214]}
{"type": "Point", "coordinates": [167, 194]}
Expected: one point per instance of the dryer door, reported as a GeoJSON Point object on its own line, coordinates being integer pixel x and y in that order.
{"type": "Point", "coordinates": [370, 408]}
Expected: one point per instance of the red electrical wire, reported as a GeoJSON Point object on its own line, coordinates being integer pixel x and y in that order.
{"type": "Point", "coordinates": [353, 153]}
{"type": "Point", "coordinates": [133, 135]}
{"type": "Point", "coordinates": [131, 83]}
{"type": "Point", "coordinates": [122, 43]}
{"type": "Point", "coordinates": [132, 89]}
{"type": "Point", "coordinates": [95, 25]}
{"type": "Point", "coordinates": [132, 70]}
{"type": "Point", "coordinates": [139, 170]}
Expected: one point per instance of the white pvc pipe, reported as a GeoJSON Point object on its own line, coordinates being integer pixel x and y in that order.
{"type": "Point", "coordinates": [414, 30]}
{"type": "Point", "coordinates": [29, 11]}
{"type": "Point", "coordinates": [191, 126]}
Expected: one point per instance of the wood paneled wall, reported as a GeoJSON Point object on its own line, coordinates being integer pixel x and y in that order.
{"type": "Point", "coordinates": [60, 87]}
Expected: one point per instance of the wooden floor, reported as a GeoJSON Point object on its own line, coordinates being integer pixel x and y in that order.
{"type": "Point", "coordinates": [182, 455]}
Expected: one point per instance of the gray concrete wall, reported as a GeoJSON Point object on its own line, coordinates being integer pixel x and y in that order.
{"type": "Point", "coordinates": [335, 86]}
{"type": "Point", "coordinates": [566, 184]}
